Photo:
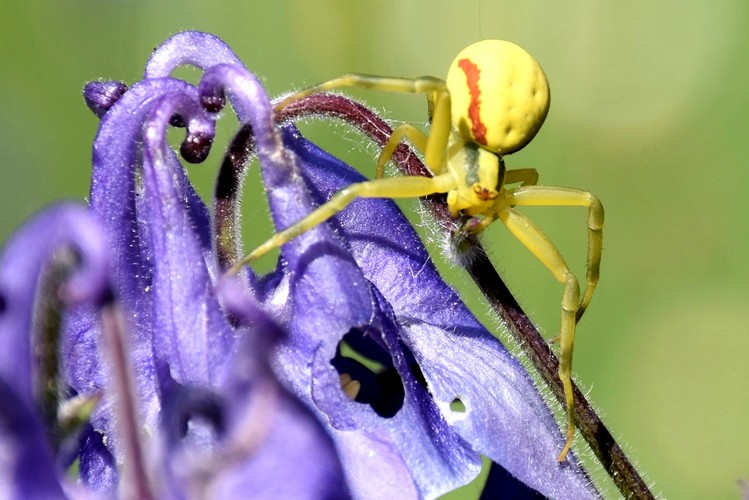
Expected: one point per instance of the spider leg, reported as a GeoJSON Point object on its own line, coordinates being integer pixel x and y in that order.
{"type": "Point", "coordinates": [556, 196]}
{"type": "Point", "coordinates": [477, 224]}
{"type": "Point", "coordinates": [394, 187]}
{"type": "Point", "coordinates": [539, 245]}
{"type": "Point", "coordinates": [425, 85]}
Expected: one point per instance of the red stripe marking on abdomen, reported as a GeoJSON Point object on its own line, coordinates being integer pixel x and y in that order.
{"type": "Point", "coordinates": [473, 74]}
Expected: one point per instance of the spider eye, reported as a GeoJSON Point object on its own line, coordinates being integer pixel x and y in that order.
{"type": "Point", "coordinates": [500, 96]}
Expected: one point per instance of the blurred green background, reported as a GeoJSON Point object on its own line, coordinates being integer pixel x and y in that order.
{"type": "Point", "coordinates": [649, 111]}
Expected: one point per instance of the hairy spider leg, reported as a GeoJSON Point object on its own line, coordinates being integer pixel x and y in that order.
{"type": "Point", "coordinates": [393, 187]}
{"type": "Point", "coordinates": [557, 196]}
{"type": "Point", "coordinates": [545, 251]}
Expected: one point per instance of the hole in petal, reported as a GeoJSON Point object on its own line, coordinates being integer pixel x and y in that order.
{"type": "Point", "coordinates": [458, 406]}
{"type": "Point", "coordinates": [367, 374]}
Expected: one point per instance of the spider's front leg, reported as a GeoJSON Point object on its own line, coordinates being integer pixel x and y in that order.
{"type": "Point", "coordinates": [395, 187]}
{"type": "Point", "coordinates": [558, 196]}
{"type": "Point", "coordinates": [434, 146]}
{"type": "Point", "coordinates": [541, 246]}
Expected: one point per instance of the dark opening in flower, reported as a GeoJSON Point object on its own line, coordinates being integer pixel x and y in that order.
{"type": "Point", "coordinates": [361, 361]}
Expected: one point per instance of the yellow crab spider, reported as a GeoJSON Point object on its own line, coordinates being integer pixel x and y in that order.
{"type": "Point", "coordinates": [493, 103]}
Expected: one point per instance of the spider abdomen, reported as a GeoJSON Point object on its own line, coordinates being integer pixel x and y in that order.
{"type": "Point", "coordinates": [500, 95]}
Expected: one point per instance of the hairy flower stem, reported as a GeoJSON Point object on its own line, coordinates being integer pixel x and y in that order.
{"type": "Point", "coordinates": [478, 265]}
{"type": "Point", "coordinates": [134, 473]}
{"type": "Point", "coordinates": [227, 196]}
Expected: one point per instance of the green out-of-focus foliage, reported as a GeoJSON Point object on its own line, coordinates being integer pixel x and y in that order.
{"type": "Point", "coordinates": [650, 111]}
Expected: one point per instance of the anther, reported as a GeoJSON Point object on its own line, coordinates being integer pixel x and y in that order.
{"type": "Point", "coordinates": [350, 386]}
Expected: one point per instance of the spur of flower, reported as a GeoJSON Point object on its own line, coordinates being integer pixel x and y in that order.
{"type": "Point", "coordinates": [228, 379]}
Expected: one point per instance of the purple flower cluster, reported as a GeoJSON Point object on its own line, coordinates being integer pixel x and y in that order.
{"type": "Point", "coordinates": [132, 364]}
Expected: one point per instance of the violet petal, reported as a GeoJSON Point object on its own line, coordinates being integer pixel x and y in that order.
{"type": "Point", "coordinates": [330, 298]}
{"type": "Point", "coordinates": [189, 47]}
{"type": "Point", "coordinates": [288, 435]}
{"type": "Point", "coordinates": [193, 336]}
{"type": "Point", "coordinates": [119, 202]}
